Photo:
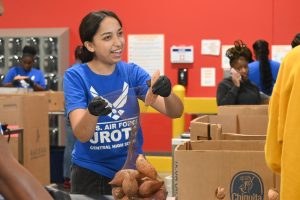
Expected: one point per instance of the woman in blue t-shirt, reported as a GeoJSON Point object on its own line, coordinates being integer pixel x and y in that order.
{"type": "Point", "coordinates": [25, 76]}
{"type": "Point", "coordinates": [263, 72]}
{"type": "Point", "coordinates": [101, 97]}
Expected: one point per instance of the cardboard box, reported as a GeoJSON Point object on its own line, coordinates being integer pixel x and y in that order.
{"type": "Point", "coordinates": [30, 112]}
{"type": "Point", "coordinates": [209, 126]}
{"type": "Point", "coordinates": [55, 98]}
{"type": "Point", "coordinates": [15, 146]}
{"type": "Point", "coordinates": [13, 90]}
{"type": "Point", "coordinates": [238, 166]}
{"type": "Point", "coordinates": [243, 110]}
{"type": "Point", "coordinates": [234, 136]}
{"type": "Point", "coordinates": [229, 127]}
{"type": "Point", "coordinates": [56, 101]}
{"type": "Point", "coordinates": [233, 119]}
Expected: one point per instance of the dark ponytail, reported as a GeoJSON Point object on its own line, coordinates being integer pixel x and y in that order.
{"type": "Point", "coordinates": [85, 55]}
{"type": "Point", "coordinates": [261, 50]}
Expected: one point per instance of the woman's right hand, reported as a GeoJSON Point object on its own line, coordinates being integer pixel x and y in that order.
{"type": "Point", "coordinates": [236, 77]}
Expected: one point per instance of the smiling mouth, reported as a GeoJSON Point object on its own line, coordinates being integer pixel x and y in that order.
{"type": "Point", "coordinates": [117, 51]}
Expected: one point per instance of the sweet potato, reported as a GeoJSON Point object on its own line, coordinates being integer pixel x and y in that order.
{"type": "Point", "coordinates": [134, 173]}
{"type": "Point", "coordinates": [118, 178]}
{"type": "Point", "coordinates": [130, 185]}
{"type": "Point", "coordinates": [150, 97]}
{"type": "Point", "coordinates": [144, 167]}
{"type": "Point", "coordinates": [125, 198]}
{"type": "Point", "coordinates": [149, 187]}
{"type": "Point", "coordinates": [161, 194]}
{"type": "Point", "coordinates": [118, 193]}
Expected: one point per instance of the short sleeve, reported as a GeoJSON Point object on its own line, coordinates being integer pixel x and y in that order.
{"type": "Point", "coordinates": [74, 91]}
{"type": "Point", "coordinates": [9, 75]}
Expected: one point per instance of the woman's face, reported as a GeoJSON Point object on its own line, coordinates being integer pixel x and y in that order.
{"type": "Point", "coordinates": [108, 42]}
{"type": "Point", "coordinates": [27, 62]}
{"type": "Point", "coordinates": [241, 66]}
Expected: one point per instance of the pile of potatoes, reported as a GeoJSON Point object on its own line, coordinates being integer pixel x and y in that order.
{"type": "Point", "coordinates": [141, 184]}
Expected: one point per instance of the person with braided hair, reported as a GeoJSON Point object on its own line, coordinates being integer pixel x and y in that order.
{"type": "Point", "coordinates": [101, 97]}
{"type": "Point", "coordinates": [263, 72]}
{"type": "Point", "coordinates": [25, 76]}
{"type": "Point", "coordinates": [238, 89]}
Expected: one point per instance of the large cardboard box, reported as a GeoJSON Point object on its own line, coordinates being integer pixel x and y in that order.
{"type": "Point", "coordinates": [238, 166]}
{"type": "Point", "coordinates": [30, 112]}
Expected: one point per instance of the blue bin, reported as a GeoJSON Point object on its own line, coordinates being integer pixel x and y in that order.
{"type": "Point", "coordinates": [56, 164]}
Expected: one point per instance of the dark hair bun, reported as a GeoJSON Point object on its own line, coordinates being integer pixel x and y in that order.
{"type": "Point", "coordinates": [240, 49]}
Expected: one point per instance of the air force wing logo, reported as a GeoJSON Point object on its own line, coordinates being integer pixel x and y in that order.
{"type": "Point", "coordinates": [118, 104]}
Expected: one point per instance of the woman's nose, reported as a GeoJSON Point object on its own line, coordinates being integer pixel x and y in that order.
{"type": "Point", "coordinates": [117, 40]}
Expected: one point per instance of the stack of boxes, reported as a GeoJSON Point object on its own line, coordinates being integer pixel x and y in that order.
{"type": "Point", "coordinates": [227, 151]}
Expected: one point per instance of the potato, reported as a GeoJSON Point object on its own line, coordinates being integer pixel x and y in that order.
{"type": "Point", "coordinates": [150, 97]}
{"type": "Point", "coordinates": [145, 167]}
{"type": "Point", "coordinates": [149, 187]}
{"type": "Point", "coordinates": [118, 178]}
{"type": "Point", "coordinates": [130, 185]}
{"type": "Point", "coordinates": [125, 198]}
{"type": "Point", "coordinates": [118, 193]}
{"type": "Point", "coordinates": [134, 173]}
{"type": "Point", "coordinates": [161, 194]}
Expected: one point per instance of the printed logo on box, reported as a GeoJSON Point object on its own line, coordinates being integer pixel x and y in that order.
{"type": "Point", "coordinates": [246, 185]}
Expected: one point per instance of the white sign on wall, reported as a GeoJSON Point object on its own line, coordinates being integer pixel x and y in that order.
{"type": "Point", "coordinates": [280, 51]}
{"type": "Point", "coordinates": [210, 47]}
{"type": "Point", "coordinates": [182, 54]}
{"type": "Point", "coordinates": [147, 51]}
{"type": "Point", "coordinates": [225, 59]}
{"type": "Point", "coordinates": [208, 77]}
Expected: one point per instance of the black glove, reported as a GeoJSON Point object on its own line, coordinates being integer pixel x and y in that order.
{"type": "Point", "coordinates": [15, 82]}
{"type": "Point", "coordinates": [162, 86]}
{"type": "Point", "coordinates": [29, 81]}
{"type": "Point", "coordinates": [98, 107]}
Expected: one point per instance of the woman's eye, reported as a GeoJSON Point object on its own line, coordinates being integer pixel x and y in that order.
{"type": "Point", "coordinates": [107, 37]}
{"type": "Point", "coordinates": [120, 33]}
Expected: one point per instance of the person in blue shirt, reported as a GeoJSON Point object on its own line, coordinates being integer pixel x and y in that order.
{"type": "Point", "coordinates": [101, 97]}
{"type": "Point", "coordinates": [263, 72]}
{"type": "Point", "coordinates": [25, 76]}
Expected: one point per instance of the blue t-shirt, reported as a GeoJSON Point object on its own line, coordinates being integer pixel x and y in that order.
{"type": "Point", "coordinates": [254, 74]}
{"type": "Point", "coordinates": [34, 74]}
{"type": "Point", "coordinates": [106, 152]}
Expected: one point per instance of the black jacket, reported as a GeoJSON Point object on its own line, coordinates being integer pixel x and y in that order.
{"type": "Point", "coordinates": [229, 94]}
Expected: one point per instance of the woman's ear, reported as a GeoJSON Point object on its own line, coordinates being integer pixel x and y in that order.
{"type": "Point", "coordinates": [89, 46]}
